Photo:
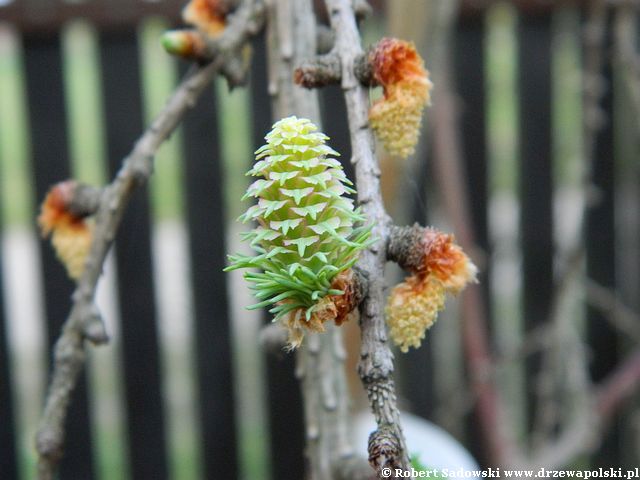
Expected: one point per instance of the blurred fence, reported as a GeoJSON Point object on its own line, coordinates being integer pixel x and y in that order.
{"type": "Point", "coordinates": [38, 25]}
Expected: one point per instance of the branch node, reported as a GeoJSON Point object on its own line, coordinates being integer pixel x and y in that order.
{"type": "Point", "coordinates": [141, 169]}
{"type": "Point", "coordinates": [94, 329]}
{"type": "Point", "coordinates": [236, 68]}
{"type": "Point", "coordinates": [49, 443]}
{"type": "Point", "coordinates": [361, 284]}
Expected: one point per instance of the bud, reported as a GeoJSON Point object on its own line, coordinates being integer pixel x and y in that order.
{"type": "Point", "coordinates": [208, 16]}
{"type": "Point", "coordinates": [71, 235]}
{"type": "Point", "coordinates": [308, 236]}
{"type": "Point", "coordinates": [183, 43]}
{"type": "Point", "coordinates": [445, 261]}
{"type": "Point", "coordinates": [396, 118]}
{"type": "Point", "coordinates": [413, 305]}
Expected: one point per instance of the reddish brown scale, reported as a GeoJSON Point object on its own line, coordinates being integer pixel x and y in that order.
{"type": "Point", "coordinates": [209, 16]}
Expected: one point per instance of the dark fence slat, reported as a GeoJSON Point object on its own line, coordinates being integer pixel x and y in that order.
{"type": "Point", "coordinates": [8, 459]}
{"type": "Point", "coordinates": [534, 68]}
{"type": "Point", "coordinates": [141, 366]}
{"type": "Point", "coordinates": [415, 369]}
{"type": "Point", "coordinates": [47, 120]}
{"type": "Point", "coordinates": [470, 85]}
{"type": "Point", "coordinates": [284, 400]}
{"type": "Point", "coordinates": [206, 221]}
{"type": "Point", "coordinates": [334, 124]}
{"type": "Point", "coordinates": [420, 179]}
{"type": "Point", "coordinates": [469, 71]}
{"type": "Point", "coordinates": [627, 241]}
{"type": "Point", "coordinates": [415, 375]}
{"type": "Point", "coordinates": [600, 247]}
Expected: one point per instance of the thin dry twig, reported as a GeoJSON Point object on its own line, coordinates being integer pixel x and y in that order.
{"type": "Point", "coordinates": [559, 337]}
{"type": "Point", "coordinates": [84, 320]}
{"type": "Point", "coordinates": [618, 386]}
{"type": "Point", "coordinates": [592, 410]}
{"type": "Point", "coordinates": [613, 309]}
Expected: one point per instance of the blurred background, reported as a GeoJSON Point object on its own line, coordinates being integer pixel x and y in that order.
{"type": "Point", "coordinates": [529, 154]}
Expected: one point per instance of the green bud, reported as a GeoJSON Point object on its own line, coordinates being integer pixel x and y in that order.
{"type": "Point", "coordinates": [182, 43]}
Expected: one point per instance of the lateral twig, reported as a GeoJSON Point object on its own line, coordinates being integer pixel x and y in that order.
{"type": "Point", "coordinates": [618, 386]}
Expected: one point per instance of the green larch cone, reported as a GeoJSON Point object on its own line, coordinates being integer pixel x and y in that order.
{"type": "Point", "coordinates": [308, 232]}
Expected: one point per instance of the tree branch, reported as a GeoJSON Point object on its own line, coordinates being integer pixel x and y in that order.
{"type": "Point", "coordinates": [84, 320]}
{"type": "Point", "coordinates": [376, 359]}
